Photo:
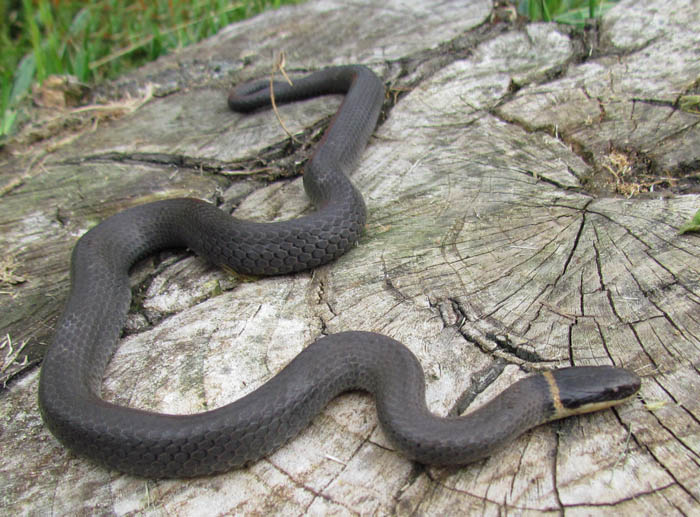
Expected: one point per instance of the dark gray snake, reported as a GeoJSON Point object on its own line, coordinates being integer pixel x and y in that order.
{"type": "Point", "coordinates": [160, 445]}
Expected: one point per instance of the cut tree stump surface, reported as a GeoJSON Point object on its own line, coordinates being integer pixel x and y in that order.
{"type": "Point", "coordinates": [525, 189]}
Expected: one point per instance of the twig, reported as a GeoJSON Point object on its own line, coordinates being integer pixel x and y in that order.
{"type": "Point", "coordinates": [18, 180]}
{"type": "Point", "coordinates": [11, 354]}
{"type": "Point", "coordinates": [279, 65]}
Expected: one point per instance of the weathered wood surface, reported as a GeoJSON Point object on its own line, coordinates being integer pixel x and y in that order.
{"type": "Point", "coordinates": [485, 253]}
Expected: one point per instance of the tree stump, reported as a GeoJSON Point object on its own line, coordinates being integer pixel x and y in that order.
{"type": "Point", "coordinates": [525, 189]}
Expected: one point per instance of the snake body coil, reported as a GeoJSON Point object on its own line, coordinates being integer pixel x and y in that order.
{"type": "Point", "coordinates": [160, 445]}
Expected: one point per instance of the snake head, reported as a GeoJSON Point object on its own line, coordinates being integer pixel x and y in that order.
{"type": "Point", "coordinates": [590, 388]}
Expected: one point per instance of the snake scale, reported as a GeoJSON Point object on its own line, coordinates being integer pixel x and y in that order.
{"type": "Point", "coordinates": [161, 445]}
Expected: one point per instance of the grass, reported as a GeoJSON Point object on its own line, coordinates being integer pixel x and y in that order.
{"type": "Point", "coordinates": [93, 40]}
{"type": "Point", "coordinates": [572, 12]}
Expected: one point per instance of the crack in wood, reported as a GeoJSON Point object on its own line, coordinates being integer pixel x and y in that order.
{"type": "Point", "coordinates": [480, 381]}
{"type": "Point", "coordinates": [499, 346]}
{"type": "Point", "coordinates": [502, 505]}
{"type": "Point", "coordinates": [389, 285]}
{"type": "Point", "coordinates": [615, 504]}
{"type": "Point", "coordinates": [555, 473]}
{"type": "Point", "coordinates": [258, 166]}
{"type": "Point", "coordinates": [300, 484]}
{"type": "Point", "coordinates": [504, 342]}
{"type": "Point", "coordinates": [667, 469]}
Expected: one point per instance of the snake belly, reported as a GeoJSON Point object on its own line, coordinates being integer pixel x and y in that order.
{"type": "Point", "coordinates": [158, 445]}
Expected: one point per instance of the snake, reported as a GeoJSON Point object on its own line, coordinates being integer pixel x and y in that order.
{"type": "Point", "coordinates": [158, 445]}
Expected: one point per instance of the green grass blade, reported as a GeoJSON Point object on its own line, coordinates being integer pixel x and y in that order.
{"type": "Point", "coordinates": [35, 38]}
{"type": "Point", "coordinates": [691, 226]}
{"type": "Point", "coordinates": [23, 79]}
{"type": "Point", "coordinates": [7, 122]}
